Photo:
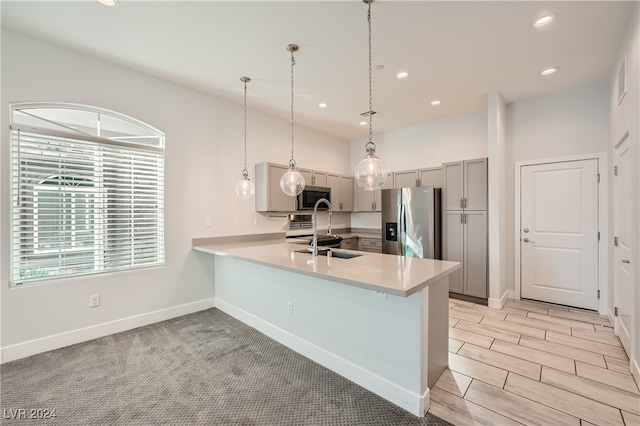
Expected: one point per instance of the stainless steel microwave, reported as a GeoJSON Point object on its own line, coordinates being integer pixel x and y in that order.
{"type": "Point", "coordinates": [308, 197]}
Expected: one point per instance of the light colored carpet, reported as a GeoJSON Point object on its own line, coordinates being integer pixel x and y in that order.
{"type": "Point", "coordinates": [205, 368]}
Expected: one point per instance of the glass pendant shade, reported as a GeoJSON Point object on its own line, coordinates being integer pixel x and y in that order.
{"type": "Point", "coordinates": [292, 182]}
{"type": "Point", "coordinates": [245, 188]}
{"type": "Point", "coordinates": [370, 172]}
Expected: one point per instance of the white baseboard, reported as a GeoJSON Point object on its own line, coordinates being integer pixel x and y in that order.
{"type": "Point", "coordinates": [414, 403]}
{"type": "Point", "coordinates": [611, 317]}
{"type": "Point", "coordinates": [635, 370]}
{"type": "Point", "coordinates": [499, 303]}
{"type": "Point", "coordinates": [44, 344]}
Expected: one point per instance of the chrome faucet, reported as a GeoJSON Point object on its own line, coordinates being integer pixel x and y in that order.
{"type": "Point", "coordinates": [314, 242]}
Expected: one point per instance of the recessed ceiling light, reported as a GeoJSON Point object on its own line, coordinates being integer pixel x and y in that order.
{"type": "Point", "coordinates": [323, 105]}
{"type": "Point", "coordinates": [436, 102]}
{"type": "Point", "coordinates": [364, 123]}
{"type": "Point", "coordinates": [402, 74]}
{"type": "Point", "coordinates": [545, 20]}
{"type": "Point", "coordinates": [108, 3]}
{"type": "Point", "coordinates": [549, 71]}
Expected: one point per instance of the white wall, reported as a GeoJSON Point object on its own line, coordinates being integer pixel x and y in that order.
{"type": "Point", "coordinates": [203, 162]}
{"type": "Point", "coordinates": [499, 231]}
{"type": "Point", "coordinates": [564, 123]}
{"type": "Point", "coordinates": [626, 117]}
{"type": "Point", "coordinates": [429, 144]}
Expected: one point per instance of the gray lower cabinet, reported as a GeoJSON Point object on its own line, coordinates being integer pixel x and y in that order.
{"type": "Point", "coordinates": [350, 243]}
{"type": "Point", "coordinates": [373, 245]}
{"type": "Point", "coordinates": [465, 241]}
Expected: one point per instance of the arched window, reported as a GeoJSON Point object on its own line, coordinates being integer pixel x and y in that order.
{"type": "Point", "coordinates": [87, 192]}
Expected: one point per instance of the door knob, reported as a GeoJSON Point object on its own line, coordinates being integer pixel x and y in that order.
{"type": "Point", "coordinates": [525, 230]}
{"type": "Point", "coordinates": [526, 240]}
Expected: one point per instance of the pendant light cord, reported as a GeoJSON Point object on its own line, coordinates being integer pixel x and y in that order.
{"type": "Point", "coordinates": [245, 127]}
{"type": "Point", "coordinates": [370, 77]}
{"type": "Point", "coordinates": [245, 80]}
{"type": "Point", "coordinates": [293, 62]}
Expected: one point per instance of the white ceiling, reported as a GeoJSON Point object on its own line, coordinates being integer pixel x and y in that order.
{"type": "Point", "coordinates": [455, 51]}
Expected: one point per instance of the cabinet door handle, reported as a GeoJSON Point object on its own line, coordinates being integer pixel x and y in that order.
{"type": "Point", "coordinates": [465, 202]}
{"type": "Point", "coordinates": [626, 261]}
{"type": "Point", "coordinates": [462, 203]}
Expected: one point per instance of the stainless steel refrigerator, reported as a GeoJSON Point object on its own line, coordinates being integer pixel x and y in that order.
{"type": "Point", "coordinates": [411, 222]}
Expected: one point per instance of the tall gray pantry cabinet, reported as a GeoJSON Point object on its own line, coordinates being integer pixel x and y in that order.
{"type": "Point", "coordinates": [464, 225]}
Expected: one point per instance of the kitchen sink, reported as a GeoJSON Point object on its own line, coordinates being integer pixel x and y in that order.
{"type": "Point", "coordinates": [338, 254]}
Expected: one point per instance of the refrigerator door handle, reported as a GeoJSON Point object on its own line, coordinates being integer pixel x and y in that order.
{"type": "Point", "coordinates": [403, 234]}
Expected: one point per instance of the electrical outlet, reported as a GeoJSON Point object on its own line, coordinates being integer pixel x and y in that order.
{"type": "Point", "coordinates": [94, 300]}
{"type": "Point", "coordinates": [289, 307]}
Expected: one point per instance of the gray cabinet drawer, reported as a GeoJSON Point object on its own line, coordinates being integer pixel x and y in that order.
{"type": "Point", "coordinates": [349, 243]}
{"type": "Point", "coordinates": [371, 244]}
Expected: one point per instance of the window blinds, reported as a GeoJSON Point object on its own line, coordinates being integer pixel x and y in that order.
{"type": "Point", "coordinates": [83, 205]}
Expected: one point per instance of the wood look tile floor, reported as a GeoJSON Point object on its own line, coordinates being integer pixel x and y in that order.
{"type": "Point", "coordinates": [535, 364]}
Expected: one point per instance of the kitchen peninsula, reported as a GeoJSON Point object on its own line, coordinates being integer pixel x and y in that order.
{"type": "Point", "coordinates": [379, 320]}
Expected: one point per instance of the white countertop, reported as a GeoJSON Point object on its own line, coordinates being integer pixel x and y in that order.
{"type": "Point", "coordinates": [397, 275]}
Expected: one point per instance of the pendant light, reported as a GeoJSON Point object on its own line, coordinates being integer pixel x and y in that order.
{"type": "Point", "coordinates": [370, 172]}
{"type": "Point", "coordinates": [292, 182]}
{"type": "Point", "coordinates": [245, 188]}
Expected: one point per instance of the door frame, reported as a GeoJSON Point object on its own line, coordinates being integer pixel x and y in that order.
{"type": "Point", "coordinates": [603, 218]}
{"type": "Point", "coordinates": [615, 319]}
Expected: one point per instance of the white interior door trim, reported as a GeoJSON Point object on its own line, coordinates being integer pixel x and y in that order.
{"type": "Point", "coordinates": [603, 218]}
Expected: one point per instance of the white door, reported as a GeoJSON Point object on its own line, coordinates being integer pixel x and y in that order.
{"type": "Point", "coordinates": [622, 244]}
{"type": "Point", "coordinates": [559, 233]}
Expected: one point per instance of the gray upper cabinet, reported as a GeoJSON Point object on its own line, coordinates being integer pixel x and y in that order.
{"type": "Point", "coordinates": [314, 177]}
{"type": "Point", "coordinates": [465, 185]}
{"type": "Point", "coordinates": [319, 178]}
{"type": "Point", "coordinates": [431, 177]}
{"type": "Point", "coordinates": [369, 201]}
{"type": "Point", "coordinates": [475, 184]}
{"type": "Point", "coordinates": [341, 192]}
{"type": "Point", "coordinates": [269, 196]}
{"type": "Point", "coordinates": [405, 179]}
{"type": "Point", "coordinates": [307, 175]}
